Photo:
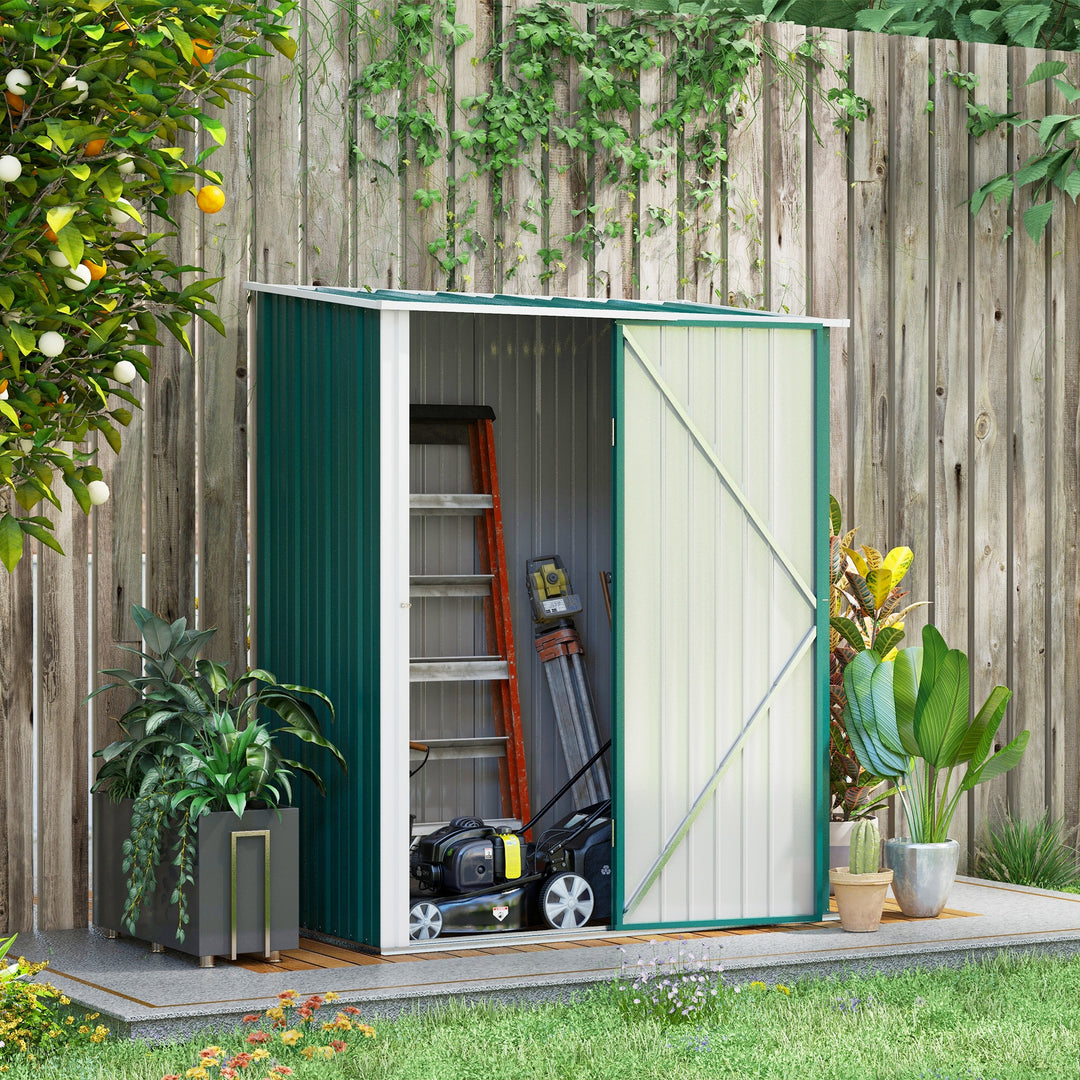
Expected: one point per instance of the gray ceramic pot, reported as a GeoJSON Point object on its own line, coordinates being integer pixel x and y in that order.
{"type": "Point", "coordinates": [923, 874]}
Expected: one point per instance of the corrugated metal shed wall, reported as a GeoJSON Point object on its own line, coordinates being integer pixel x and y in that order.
{"type": "Point", "coordinates": [549, 382]}
{"type": "Point", "coordinates": [317, 580]}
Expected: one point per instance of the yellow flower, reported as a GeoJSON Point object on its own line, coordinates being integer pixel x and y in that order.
{"type": "Point", "coordinates": [83, 1029]}
{"type": "Point", "coordinates": [196, 1072]}
{"type": "Point", "coordinates": [783, 989]}
{"type": "Point", "coordinates": [65, 1000]}
{"type": "Point", "coordinates": [260, 1053]}
{"type": "Point", "coordinates": [330, 996]}
{"type": "Point", "coordinates": [276, 1013]}
{"type": "Point", "coordinates": [291, 1037]}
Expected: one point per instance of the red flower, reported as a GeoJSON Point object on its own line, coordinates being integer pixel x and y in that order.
{"type": "Point", "coordinates": [338, 1045]}
{"type": "Point", "coordinates": [240, 1061]}
{"type": "Point", "coordinates": [171, 1076]}
{"type": "Point", "coordinates": [258, 1037]}
{"type": "Point", "coordinates": [352, 1010]}
{"type": "Point", "coordinates": [282, 1070]}
{"type": "Point", "coordinates": [251, 1018]}
{"type": "Point", "coordinates": [304, 1012]}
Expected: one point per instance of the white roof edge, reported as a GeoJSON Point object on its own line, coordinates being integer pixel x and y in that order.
{"type": "Point", "coordinates": [586, 311]}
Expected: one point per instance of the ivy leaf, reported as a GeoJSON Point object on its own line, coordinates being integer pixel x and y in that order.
{"type": "Point", "coordinates": [1046, 70]}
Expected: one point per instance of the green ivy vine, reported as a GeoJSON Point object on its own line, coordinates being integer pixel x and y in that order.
{"type": "Point", "coordinates": [705, 61]}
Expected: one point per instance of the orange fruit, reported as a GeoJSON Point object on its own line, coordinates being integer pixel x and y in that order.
{"type": "Point", "coordinates": [210, 199]}
{"type": "Point", "coordinates": [49, 234]}
{"type": "Point", "coordinates": [15, 103]}
{"type": "Point", "coordinates": [203, 53]}
{"type": "Point", "coordinates": [94, 147]}
{"type": "Point", "coordinates": [97, 270]}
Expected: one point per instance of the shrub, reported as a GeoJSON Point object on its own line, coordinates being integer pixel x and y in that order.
{"type": "Point", "coordinates": [1036, 853]}
{"type": "Point", "coordinates": [34, 1020]}
{"type": "Point", "coordinates": [96, 99]}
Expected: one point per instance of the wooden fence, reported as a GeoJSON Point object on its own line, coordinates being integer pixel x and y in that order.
{"type": "Point", "coordinates": [954, 394]}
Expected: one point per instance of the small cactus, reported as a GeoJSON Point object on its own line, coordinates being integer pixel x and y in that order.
{"type": "Point", "coordinates": [865, 847]}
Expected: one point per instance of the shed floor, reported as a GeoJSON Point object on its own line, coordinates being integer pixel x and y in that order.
{"type": "Point", "coordinates": [160, 995]}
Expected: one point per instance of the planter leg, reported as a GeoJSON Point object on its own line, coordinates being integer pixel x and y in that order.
{"type": "Point", "coordinates": [112, 935]}
{"type": "Point", "coordinates": [156, 948]}
{"type": "Point", "coordinates": [274, 957]}
{"type": "Point", "coordinates": [206, 961]}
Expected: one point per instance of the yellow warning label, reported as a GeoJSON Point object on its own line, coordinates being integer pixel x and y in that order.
{"type": "Point", "coordinates": [512, 848]}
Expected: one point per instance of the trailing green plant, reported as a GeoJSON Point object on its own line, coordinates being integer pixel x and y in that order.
{"type": "Point", "coordinates": [704, 54]}
{"type": "Point", "coordinates": [194, 742]}
{"type": "Point", "coordinates": [97, 97]}
{"type": "Point", "coordinates": [865, 847]}
{"type": "Point", "coordinates": [908, 721]}
{"type": "Point", "coordinates": [864, 613]}
{"type": "Point", "coordinates": [1039, 853]}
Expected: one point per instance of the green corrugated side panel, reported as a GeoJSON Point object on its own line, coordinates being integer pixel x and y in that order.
{"type": "Point", "coordinates": [317, 581]}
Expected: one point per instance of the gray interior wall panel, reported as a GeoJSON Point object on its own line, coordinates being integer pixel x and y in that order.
{"type": "Point", "coordinates": [549, 382]}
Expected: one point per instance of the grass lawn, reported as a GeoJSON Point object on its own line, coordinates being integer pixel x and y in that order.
{"type": "Point", "coordinates": [1010, 1019]}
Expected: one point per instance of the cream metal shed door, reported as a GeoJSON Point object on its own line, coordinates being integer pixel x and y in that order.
{"type": "Point", "coordinates": [718, 685]}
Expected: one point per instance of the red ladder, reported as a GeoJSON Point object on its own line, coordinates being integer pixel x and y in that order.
{"type": "Point", "coordinates": [472, 426]}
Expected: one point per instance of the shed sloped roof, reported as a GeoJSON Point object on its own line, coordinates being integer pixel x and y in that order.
{"type": "Point", "coordinates": [398, 299]}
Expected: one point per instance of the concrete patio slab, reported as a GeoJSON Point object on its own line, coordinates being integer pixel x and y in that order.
{"type": "Point", "coordinates": [153, 996]}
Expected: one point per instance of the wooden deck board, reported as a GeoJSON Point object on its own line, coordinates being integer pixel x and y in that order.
{"type": "Point", "coordinates": [314, 954]}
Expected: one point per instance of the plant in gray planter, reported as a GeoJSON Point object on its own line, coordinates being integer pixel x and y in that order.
{"type": "Point", "coordinates": [860, 886]}
{"type": "Point", "coordinates": [909, 721]}
{"type": "Point", "coordinates": [195, 757]}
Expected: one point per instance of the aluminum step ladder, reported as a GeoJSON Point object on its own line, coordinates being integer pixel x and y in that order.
{"type": "Point", "coordinates": [472, 426]}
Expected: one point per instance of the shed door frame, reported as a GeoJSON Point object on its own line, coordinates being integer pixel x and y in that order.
{"type": "Point", "coordinates": [813, 588]}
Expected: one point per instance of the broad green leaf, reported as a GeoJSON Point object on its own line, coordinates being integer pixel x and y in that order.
{"type": "Point", "coordinates": [1049, 125]}
{"type": "Point", "coordinates": [835, 519]}
{"type": "Point", "coordinates": [215, 128]}
{"type": "Point", "coordinates": [1000, 188]}
{"type": "Point", "coordinates": [285, 45]}
{"type": "Point", "coordinates": [69, 240]}
{"type": "Point", "coordinates": [879, 582]}
{"type": "Point", "coordinates": [1046, 70]}
{"type": "Point", "coordinates": [980, 735]}
{"type": "Point", "coordinates": [80, 171]}
{"type": "Point", "coordinates": [1071, 186]}
{"type": "Point", "coordinates": [908, 665]}
{"type": "Point", "coordinates": [848, 631]}
{"type": "Point", "coordinates": [1007, 757]}
{"type": "Point", "coordinates": [59, 216]}
{"type": "Point", "coordinates": [941, 719]}
{"type": "Point", "coordinates": [1036, 218]}
{"type": "Point", "coordinates": [23, 338]}
{"type": "Point", "coordinates": [1069, 92]}
{"type": "Point", "coordinates": [110, 183]}
{"type": "Point", "coordinates": [7, 295]}
{"type": "Point", "coordinates": [887, 639]}
{"type": "Point", "coordinates": [9, 412]}
{"type": "Point", "coordinates": [863, 595]}
{"type": "Point", "coordinates": [43, 536]}
{"type": "Point", "coordinates": [859, 720]}
{"type": "Point", "coordinates": [11, 542]}
{"type": "Point", "coordinates": [881, 691]}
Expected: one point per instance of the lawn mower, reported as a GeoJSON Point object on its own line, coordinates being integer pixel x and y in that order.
{"type": "Point", "coordinates": [470, 878]}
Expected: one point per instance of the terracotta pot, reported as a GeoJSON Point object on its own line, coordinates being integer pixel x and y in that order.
{"type": "Point", "coordinates": [860, 898]}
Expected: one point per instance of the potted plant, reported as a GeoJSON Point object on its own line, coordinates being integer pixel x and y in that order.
{"type": "Point", "coordinates": [195, 846]}
{"type": "Point", "coordinates": [865, 614]}
{"type": "Point", "coordinates": [908, 720]}
{"type": "Point", "coordinates": [860, 886]}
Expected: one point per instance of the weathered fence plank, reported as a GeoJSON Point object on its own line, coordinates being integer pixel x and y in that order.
{"type": "Point", "coordinates": [911, 449]}
{"type": "Point", "coordinates": [61, 728]}
{"type": "Point", "coordinates": [17, 750]}
{"type": "Point", "coordinates": [785, 157]}
{"type": "Point", "coordinates": [828, 279]}
{"type": "Point", "coordinates": [1027, 784]}
{"type": "Point", "coordinates": [947, 549]}
{"type": "Point", "coordinates": [657, 203]}
{"type": "Point", "coordinates": [989, 628]}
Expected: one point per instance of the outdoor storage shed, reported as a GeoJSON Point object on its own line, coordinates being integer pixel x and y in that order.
{"type": "Point", "coordinates": [676, 451]}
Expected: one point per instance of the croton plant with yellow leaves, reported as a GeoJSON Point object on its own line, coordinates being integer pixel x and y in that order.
{"type": "Point", "coordinates": [102, 102]}
{"type": "Point", "coordinates": [865, 612]}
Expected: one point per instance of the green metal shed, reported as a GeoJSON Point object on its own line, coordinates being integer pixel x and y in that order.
{"type": "Point", "coordinates": [681, 447]}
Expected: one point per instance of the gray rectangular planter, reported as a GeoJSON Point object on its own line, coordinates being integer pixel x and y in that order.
{"type": "Point", "coordinates": [212, 929]}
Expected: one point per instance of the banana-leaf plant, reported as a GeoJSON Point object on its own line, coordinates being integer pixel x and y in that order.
{"type": "Point", "coordinates": [865, 613]}
{"type": "Point", "coordinates": [909, 721]}
{"type": "Point", "coordinates": [195, 741]}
